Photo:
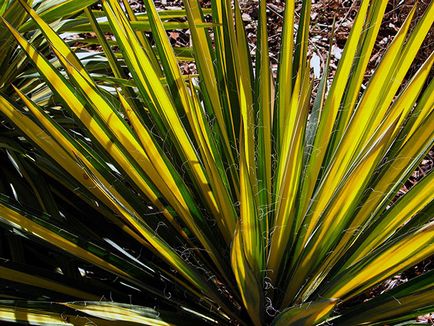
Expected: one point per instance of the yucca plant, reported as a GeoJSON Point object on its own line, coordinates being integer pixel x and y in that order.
{"type": "Point", "coordinates": [225, 197]}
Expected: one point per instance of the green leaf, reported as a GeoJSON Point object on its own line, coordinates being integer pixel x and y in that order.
{"type": "Point", "coordinates": [404, 302]}
{"type": "Point", "coordinates": [309, 313]}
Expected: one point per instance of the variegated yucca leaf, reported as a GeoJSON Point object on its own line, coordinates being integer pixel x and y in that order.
{"type": "Point", "coordinates": [14, 65]}
{"type": "Point", "coordinates": [131, 193]}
